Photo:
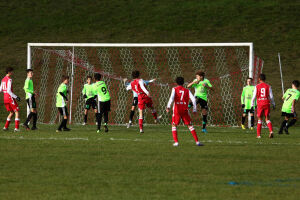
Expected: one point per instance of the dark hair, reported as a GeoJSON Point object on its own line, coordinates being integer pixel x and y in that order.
{"type": "Point", "coordinates": [97, 76]}
{"type": "Point", "coordinates": [250, 78]}
{"type": "Point", "coordinates": [200, 73]}
{"type": "Point", "coordinates": [64, 77]}
{"type": "Point", "coordinates": [9, 69]}
{"type": "Point", "coordinates": [296, 83]}
{"type": "Point", "coordinates": [262, 77]}
{"type": "Point", "coordinates": [89, 77]}
{"type": "Point", "coordinates": [135, 74]}
{"type": "Point", "coordinates": [29, 70]}
{"type": "Point", "coordinates": [179, 80]}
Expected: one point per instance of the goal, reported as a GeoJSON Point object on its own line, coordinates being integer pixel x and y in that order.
{"type": "Point", "coordinates": [227, 65]}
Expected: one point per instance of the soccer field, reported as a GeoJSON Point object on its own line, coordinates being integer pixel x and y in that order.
{"type": "Point", "coordinates": [123, 164]}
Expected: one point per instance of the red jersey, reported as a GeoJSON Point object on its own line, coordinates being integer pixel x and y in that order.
{"type": "Point", "coordinates": [7, 88]}
{"type": "Point", "coordinates": [181, 97]}
{"type": "Point", "coordinates": [263, 94]}
{"type": "Point", "coordinates": [138, 86]}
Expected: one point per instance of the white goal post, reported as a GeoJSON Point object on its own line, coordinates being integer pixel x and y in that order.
{"type": "Point", "coordinates": [116, 61]}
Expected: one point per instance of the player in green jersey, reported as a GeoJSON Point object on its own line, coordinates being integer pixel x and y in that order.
{"type": "Point", "coordinates": [30, 99]}
{"type": "Point", "coordinates": [61, 103]}
{"type": "Point", "coordinates": [290, 97]}
{"type": "Point", "coordinates": [88, 94]}
{"type": "Point", "coordinates": [201, 85]}
{"type": "Point", "coordinates": [246, 98]}
{"type": "Point", "coordinates": [103, 96]}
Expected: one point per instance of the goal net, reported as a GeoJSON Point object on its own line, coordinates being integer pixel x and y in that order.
{"type": "Point", "coordinates": [227, 65]}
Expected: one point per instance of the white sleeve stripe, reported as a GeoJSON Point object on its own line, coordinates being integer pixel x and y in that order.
{"type": "Point", "coordinates": [253, 97]}
{"type": "Point", "coordinates": [9, 83]}
{"type": "Point", "coordinates": [141, 82]}
{"type": "Point", "coordinates": [192, 98]}
{"type": "Point", "coordinates": [171, 98]}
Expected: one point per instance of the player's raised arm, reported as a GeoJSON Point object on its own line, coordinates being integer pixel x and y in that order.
{"type": "Point", "coordinates": [253, 97]}
{"type": "Point", "coordinates": [192, 83]}
{"type": "Point", "coordinates": [271, 97]}
{"type": "Point", "coordinates": [141, 83]}
{"type": "Point", "coordinates": [171, 99]}
{"type": "Point", "coordinates": [193, 99]}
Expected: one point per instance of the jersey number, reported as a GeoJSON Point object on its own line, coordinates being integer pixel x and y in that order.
{"type": "Point", "coordinates": [262, 92]}
{"type": "Point", "coordinates": [3, 86]}
{"type": "Point", "coordinates": [103, 89]}
{"type": "Point", "coordinates": [182, 93]}
{"type": "Point", "coordinates": [289, 96]}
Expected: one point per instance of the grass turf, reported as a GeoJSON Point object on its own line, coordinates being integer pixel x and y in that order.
{"type": "Point", "coordinates": [123, 164]}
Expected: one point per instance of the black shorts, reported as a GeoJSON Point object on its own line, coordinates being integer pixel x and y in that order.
{"type": "Point", "coordinates": [246, 111]}
{"type": "Point", "coordinates": [63, 111]}
{"type": "Point", "coordinates": [289, 115]}
{"type": "Point", "coordinates": [90, 103]}
{"type": "Point", "coordinates": [135, 101]}
{"type": "Point", "coordinates": [202, 103]}
{"type": "Point", "coordinates": [31, 102]}
{"type": "Point", "coordinates": [103, 106]}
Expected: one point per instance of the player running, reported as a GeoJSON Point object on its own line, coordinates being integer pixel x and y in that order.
{"type": "Point", "coordinates": [88, 95]}
{"type": "Point", "coordinates": [135, 99]}
{"type": "Point", "coordinates": [144, 98]}
{"type": "Point", "coordinates": [30, 99]}
{"type": "Point", "coordinates": [10, 98]}
{"type": "Point", "coordinates": [61, 103]}
{"type": "Point", "coordinates": [201, 84]}
{"type": "Point", "coordinates": [101, 91]}
{"type": "Point", "coordinates": [263, 94]}
{"type": "Point", "coordinates": [181, 96]}
{"type": "Point", "coordinates": [290, 97]}
{"type": "Point", "coordinates": [246, 98]}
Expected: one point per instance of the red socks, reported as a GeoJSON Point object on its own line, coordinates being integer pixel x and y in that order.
{"type": "Point", "coordinates": [193, 132]}
{"type": "Point", "coordinates": [269, 124]}
{"type": "Point", "coordinates": [17, 122]}
{"type": "Point", "coordinates": [259, 127]}
{"type": "Point", "coordinates": [141, 123]}
{"type": "Point", "coordinates": [174, 131]}
{"type": "Point", "coordinates": [7, 123]}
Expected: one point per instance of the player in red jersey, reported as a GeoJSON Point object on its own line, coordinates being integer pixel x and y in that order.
{"type": "Point", "coordinates": [10, 99]}
{"type": "Point", "coordinates": [144, 99]}
{"type": "Point", "coordinates": [263, 94]}
{"type": "Point", "coordinates": [181, 97]}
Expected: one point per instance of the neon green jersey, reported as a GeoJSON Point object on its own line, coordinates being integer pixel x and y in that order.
{"type": "Point", "coordinates": [200, 90]}
{"type": "Point", "coordinates": [88, 90]}
{"type": "Point", "coordinates": [247, 95]}
{"type": "Point", "coordinates": [101, 91]}
{"type": "Point", "coordinates": [60, 101]}
{"type": "Point", "coordinates": [289, 96]}
{"type": "Point", "coordinates": [28, 88]}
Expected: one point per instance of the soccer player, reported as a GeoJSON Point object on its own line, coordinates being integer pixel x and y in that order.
{"type": "Point", "coordinates": [135, 99]}
{"type": "Point", "coordinates": [201, 84]}
{"type": "Point", "coordinates": [61, 103]}
{"type": "Point", "coordinates": [144, 98]}
{"type": "Point", "coordinates": [88, 95]}
{"type": "Point", "coordinates": [288, 108]}
{"type": "Point", "coordinates": [264, 96]}
{"type": "Point", "coordinates": [30, 99]}
{"type": "Point", "coordinates": [246, 98]}
{"type": "Point", "coordinates": [102, 93]}
{"type": "Point", "coordinates": [10, 98]}
{"type": "Point", "coordinates": [181, 96]}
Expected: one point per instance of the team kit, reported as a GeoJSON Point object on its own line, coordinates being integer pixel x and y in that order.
{"type": "Point", "coordinates": [97, 98]}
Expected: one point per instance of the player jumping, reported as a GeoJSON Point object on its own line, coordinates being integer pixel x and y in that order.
{"type": "Point", "coordinates": [263, 94]}
{"type": "Point", "coordinates": [181, 97]}
{"type": "Point", "coordinates": [10, 100]}
{"type": "Point", "coordinates": [201, 85]}
{"type": "Point", "coordinates": [144, 99]}
{"type": "Point", "coordinates": [30, 99]}
{"type": "Point", "coordinates": [246, 98]}
{"type": "Point", "coordinates": [88, 95]}
{"type": "Point", "coordinates": [288, 108]}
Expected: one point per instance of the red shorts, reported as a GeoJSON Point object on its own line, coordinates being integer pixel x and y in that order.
{"type": "Point", "coordinates": [145, 101]}
{"type": "Point", "coordinates": [263, 109]}
{"type": "Point", "coordinates": [184, 115]}
{"type": "Point", "coordinates": [12, 106]}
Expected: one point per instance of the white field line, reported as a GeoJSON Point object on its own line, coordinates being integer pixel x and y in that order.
{"type": "Point", "coordinates": [139, 140]}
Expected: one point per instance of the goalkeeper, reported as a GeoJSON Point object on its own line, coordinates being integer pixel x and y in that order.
{"type": "Point", "coordinates": [88, 95]}
{"type": "Point", "coordinates": [246, 97]}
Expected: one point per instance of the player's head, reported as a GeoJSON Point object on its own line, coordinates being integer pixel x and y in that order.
{"type": "Point", "coordinates": [97, 77]}
{"type": "Point", "coordinates": [9, 70]}
{"type": "Point", "coordinates": [179, 80]}
{"type": "Point", "coordinates": [89, 79]}
{"type": "Point", "coordinates": [249, 81]}
{"type": "Point", "coordinates": [262, 77]}
{"type": "Point", "coordinates": [135, 74]}
{"type": "Point", "coordinates": [29, 73]}
{"type": "Point", "coordinates": [65, 79]}
{"type": "Point", "coordinates": [295, 83]}
{"type": "Point", "coordinates": [200, 75]}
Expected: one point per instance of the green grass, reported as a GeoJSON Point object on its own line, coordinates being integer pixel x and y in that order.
{"type": "Point", "coordinates": [123, 164]}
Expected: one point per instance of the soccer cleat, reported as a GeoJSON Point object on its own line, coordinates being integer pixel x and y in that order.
{"type": "Point", "coordinates": [5, 129]}
{"type": "Point", "coordinates": [271, 135]}
{"type": "Point", "coordinates": [243, 127]}
{"type": "Point", "coordinates": [83, 124]}
{"type": "Point", "coordinates": [98, 131]}
{"type": "Point", "coordinates": [58, 130]}
{"type": "Point", "coordinates": [157, 119]}
{"type": "Point", "coordinates": [199, 144]}
{"type": "Point", "coordinates": [286, 130]}
{"type": "Point", "coordinates": [17, 130]}
{"type": "Point", "coordinates": [175, 144]}
{"type": "Point", "coordinates": [251, 128]}
{"type": "Point", "coordinates": [105, 128]}
{"type": "Point", "coordinates": [66, 129]}
{"type": "Point", "coordinates": [129, 124]}
{"type": "Point", "coordinates": [34, 128]}
{"type": "Point", "coordinates": [258, 137]}
{"type": "Point", "coordinates": [204, 130]}
{"type": "Point", "coordinates": [141, 131]}
{"type": "Point", "coordinates": [26, 127]}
